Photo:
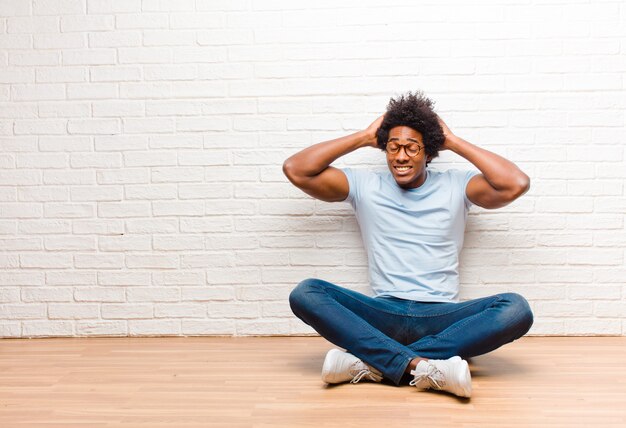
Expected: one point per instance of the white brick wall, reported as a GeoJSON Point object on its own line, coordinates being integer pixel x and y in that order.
{"type": "Point", "coordinates": [141, 144]}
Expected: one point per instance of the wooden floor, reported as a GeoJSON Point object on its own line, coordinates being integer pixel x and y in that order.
{"type": "Point", "coordinates": [275, 382]}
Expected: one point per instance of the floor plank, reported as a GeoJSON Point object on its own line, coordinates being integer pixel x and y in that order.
{"type": "Point", "coordinates": [275, 382]}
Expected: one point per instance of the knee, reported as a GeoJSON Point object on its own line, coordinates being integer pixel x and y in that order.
{"type": "Point", "coordinates": [517, 312]}
{"type": "Point", "coordinates": [300, 296]}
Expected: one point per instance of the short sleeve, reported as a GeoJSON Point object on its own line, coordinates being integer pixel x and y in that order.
{"type": "Point", "coordinates": [461, 178]}
{"type": "Point", "coordinates": [355, 183]}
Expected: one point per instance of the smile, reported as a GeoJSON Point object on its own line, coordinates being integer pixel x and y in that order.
{"type": "Point", "coordinates": [403, 168]}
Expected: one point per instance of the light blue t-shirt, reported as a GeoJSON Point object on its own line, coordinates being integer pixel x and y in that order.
{"type": "Point", "coordinates": [413, 238]}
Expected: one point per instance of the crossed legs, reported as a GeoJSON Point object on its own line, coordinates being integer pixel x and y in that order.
{"type": "Point", "coordinates": [392, 334]}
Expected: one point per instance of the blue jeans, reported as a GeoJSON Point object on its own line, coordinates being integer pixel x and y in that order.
{"type": "Point", "coordinates": [388, 332]}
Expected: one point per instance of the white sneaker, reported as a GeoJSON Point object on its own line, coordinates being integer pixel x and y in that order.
{"type": "Point", "coordinates": [450, 375]}
{"type": "Point", "coordinates": [341, 367]}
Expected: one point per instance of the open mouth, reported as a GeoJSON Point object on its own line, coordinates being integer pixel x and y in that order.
{"type": "Point", "coordinates": [403, 168]}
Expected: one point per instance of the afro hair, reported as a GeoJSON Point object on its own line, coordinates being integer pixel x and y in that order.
{"type": "Point", "coordinates": [415, 111]}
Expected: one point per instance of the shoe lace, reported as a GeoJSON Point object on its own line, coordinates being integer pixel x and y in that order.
{"type": "Point", "coordinates": [362, 373]}
{"type": "Point", "coordinates": [432, 375]}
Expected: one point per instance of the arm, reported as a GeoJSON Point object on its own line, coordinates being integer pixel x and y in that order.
{"type": "Point", "coordinates": [309, 169]}
{"type": "Point", "coordinates": [501, 181]}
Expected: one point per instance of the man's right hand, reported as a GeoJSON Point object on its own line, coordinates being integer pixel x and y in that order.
{"type": "Point", "coordinates": [372, 130]}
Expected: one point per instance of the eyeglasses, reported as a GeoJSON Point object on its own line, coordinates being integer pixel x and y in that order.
{"type": "Point", "coordinates": [411, 150]}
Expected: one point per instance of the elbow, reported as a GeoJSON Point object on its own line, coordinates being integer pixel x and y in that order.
{"type": "Point", "coordinates": [290, 171]}
{"type": "Point", "coordinates": [288, 168]}
{"type": "Point", "coordinates": [522, 185]}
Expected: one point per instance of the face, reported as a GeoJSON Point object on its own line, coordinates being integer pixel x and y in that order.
{"type": "Point", "coordinates": [408, 171]}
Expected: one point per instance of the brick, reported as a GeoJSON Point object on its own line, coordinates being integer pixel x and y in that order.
{"type": "Point", "coordinates": [12, 8]}
{"type": "Point", "coordinates": [124, 243]}
{"type": "Point", "coordinates": [72, 311]}
{"type": "Point", "coordinates": [143, 126]}
{"type": "Point", "coordinates": [180, 310]}
{"type": "Point", "coordinates": [200, 55]}
{"type": "Point", "coordinates": [15, 41]}
{"type": "Point", "coordinates": [193, 261]}
{"type": "Point", "coordinates": [150, 192]}
{"type": "Point", "coordinates": [44, 226]}
{"type": "Point", "coordinates": [69, 210]}
{"type": "Point", "coordinates": [20, 210]}
{"type": "Point", "coordinates": [42, 194]}
{"type": "Point", "coordinates": [91, 91]}
{"type": "Point", "coordinates": [179, 278]}
{"type": "Point", "coordinates": [123, 209]}
{"type": "Point", "coordinates": [65, 109]}
{"type": "Point", "coordinates": [101, 328]}
{"type": "Point", "coordinates": [70, 278]}
{"type": "Point", "coordinates": [177, 174]}
{"type": "Point", "coordinates": [99, 294]}
{"type": "Point", "coordinates": [168, 38]}
{"type": "Point", "coordinates": [10, 295]}
{"type": "Point", "coordinates": [46, 295]}
{"type": "Point", "coordinates": [59, 7]}
{"type": "Point", "coordinates": [262, 257]}
{"type": "Point", "coordinates": [230, 207]}
{"type": "Point", "coordinates": [180, 208]}
{"type": "Point", "coordinates": [115, 39]}
{"type": "Point", "coordinates": [202, 124]}
{"type": "Point", "coordinates": [114, 74]}
{"type": "Point", "coordinates": [93, 126]}
{"type": "Point", "coordinates": [263, 327]}
{"type": "Point", "coordinates": [197, 20]}
{"type": "Point", "coordinates": [87, 57]}
{"type": "Point", "coordinates": [151, 158]}
{"type": "Point", "coordinates": [124, 278]}
{"type": "Point", "coordinates": [261, 293]}
{"type": "Point", "coordinates": [141, 21]}
{"type": "Point", "coordinates": [226, 72]}
{"type": "Point", "coordinates": [126, 311]}
{"type": "Point", "coordinates": [64, 74]}
{"type": "Point", "coordinates": [591, 326]}
{"type": "Point", "coordinates": [152, 261]}
{"type": "Point", "coordinates": [97, 227]}
{"type": "Point", "coordinates": [59, 41]}
{"type": "Point", "coordinates": [595, 256]}
{"type": "Point", "coordinates": [65, 177]}
{"type": "Point", "coordinates": [154, 328]}
{"type": "Point", "coordinates": [152, 226]}
{"type": "Point", "coordinates": [16, 75]}
{"type": "Point", "coordinates": [28, 58]}
{"type": "Point", "coordinates": [113, 6]}
{"type": "Point", "coordinates": [233, 310]}
{"type": "Point", "coordinates": [144, 55]}
{"type": "Point", "coordinates": [45, 261]}
{"type": "Point", "coordinates": [70, 243]}
{"type": "Point", "coordinates": [38, 92]}
{"type": "Point", "coordinates": [123, 176]}
{"type": "Point", "coordinates": [98, 261]}
{"type": "Point", "coordinates": [168, 5]}
{"type": "Point", "coordinates": [21, 278]}
{"type": "Point", "coordinates": [208, 327]}
{"type": "Point", "coordinates": [95, 160]}
{"type": "Point", "coordinates": [86, 23]}
{"type": "Point", "coordinates": [153, 294]}
{"type": "Point", "coordinates": [47, 328]}
{"type": "Point", "coordinates": [178, 243]}
{"type": "Point", "coordinates": [208, 294]}
{"type": "Point", "coordinates": [118, 142]}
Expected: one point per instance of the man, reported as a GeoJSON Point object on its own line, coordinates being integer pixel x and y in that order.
{"type": "Point", "coordinates": [412, 220]}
